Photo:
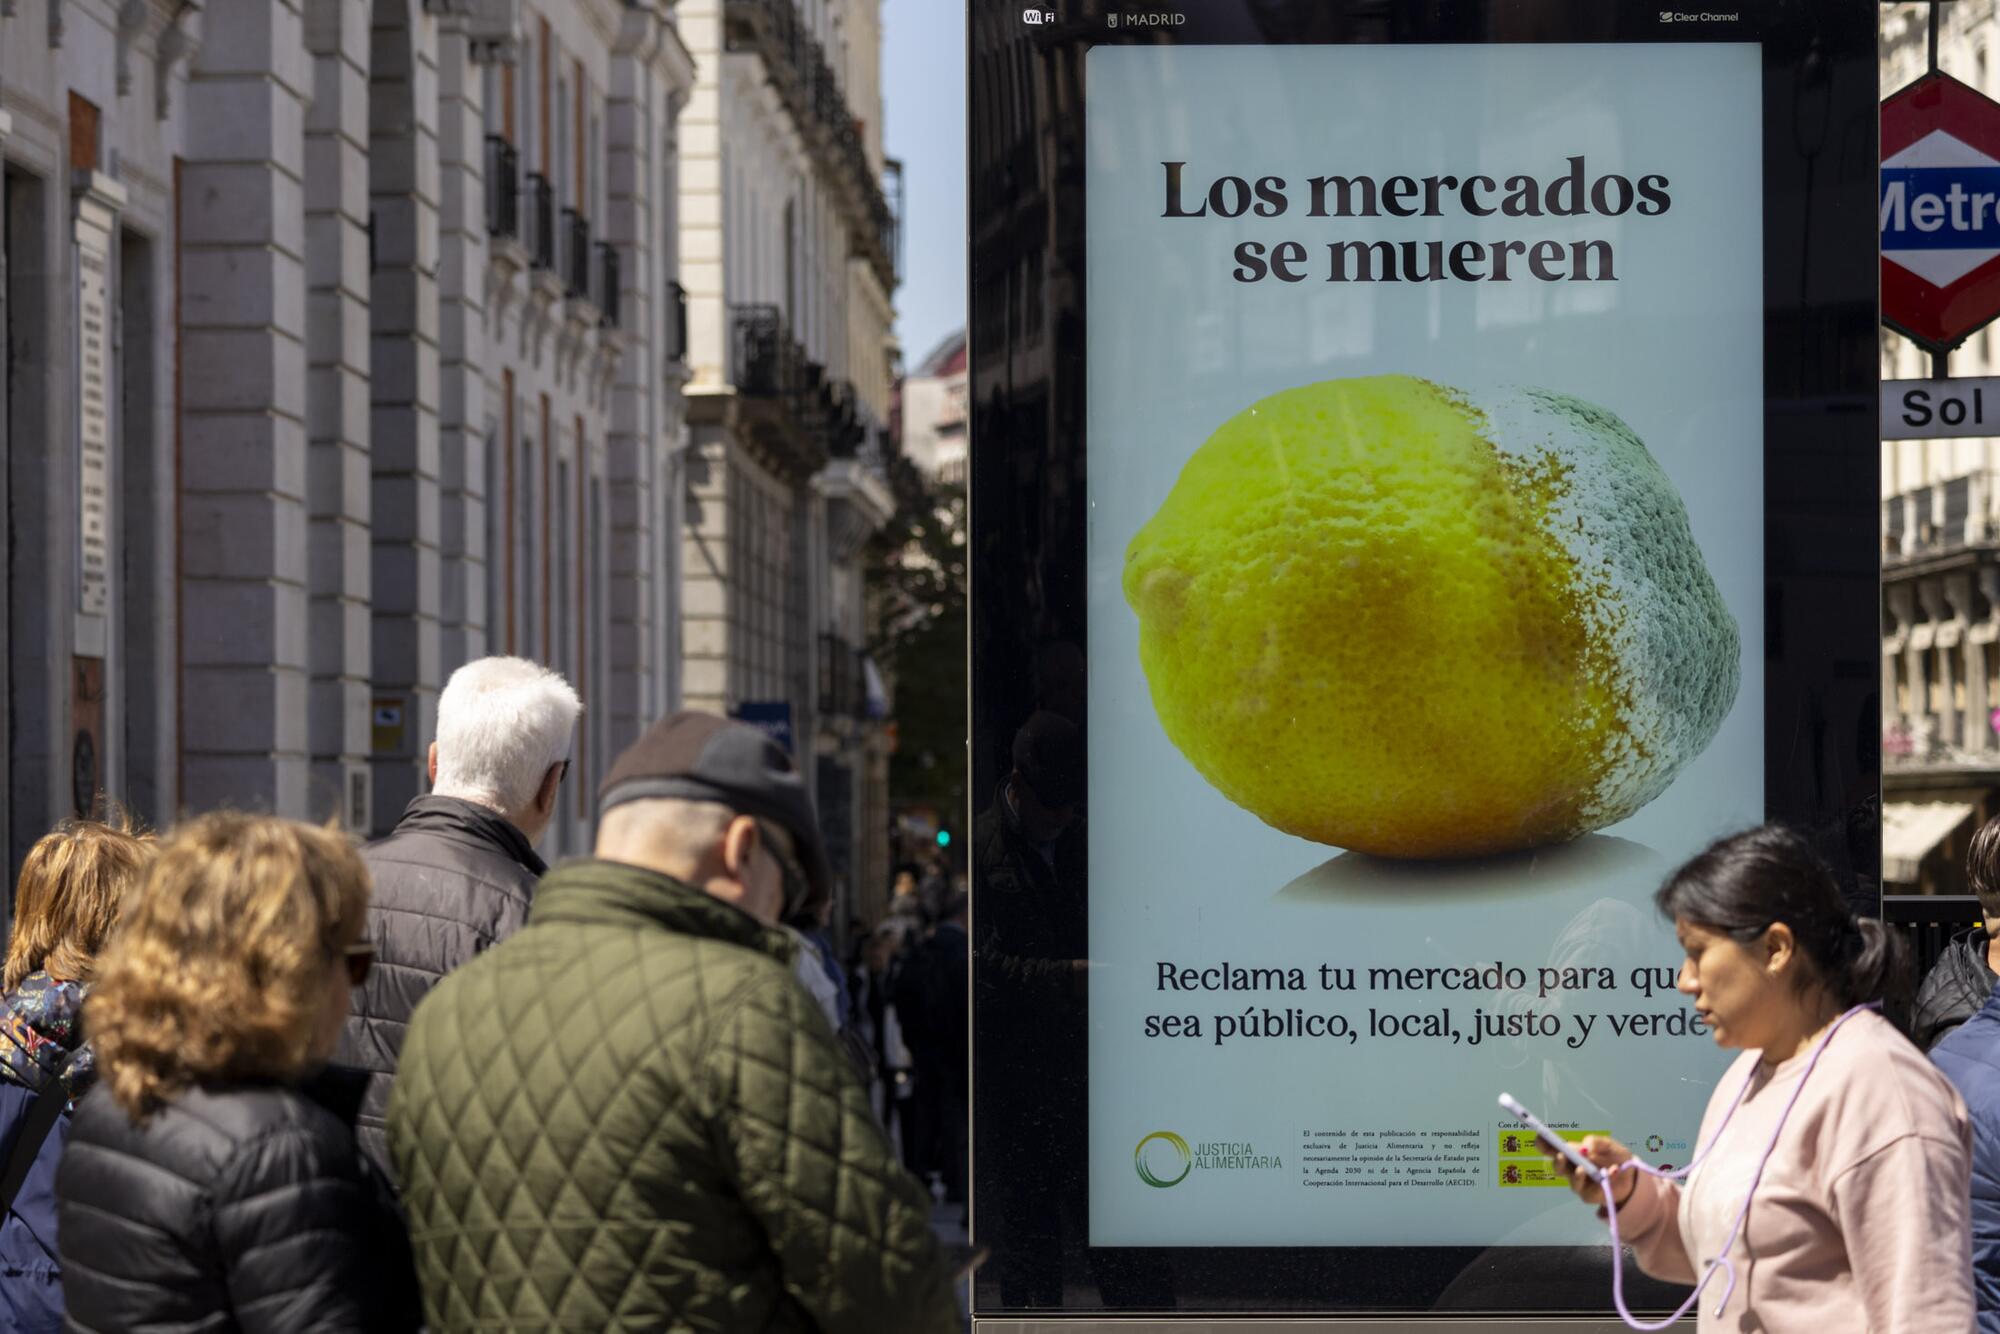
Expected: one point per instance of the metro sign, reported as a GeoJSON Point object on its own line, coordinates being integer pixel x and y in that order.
{"type": "Point", "coordinates": [1940, 211]}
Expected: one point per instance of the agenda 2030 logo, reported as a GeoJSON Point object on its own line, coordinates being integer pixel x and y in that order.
{"type": "Point", "coordinates": [1164, 1159]}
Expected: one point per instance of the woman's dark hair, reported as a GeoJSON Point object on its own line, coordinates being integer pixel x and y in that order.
{"type": "Point", "coordinates": [1743, 884]}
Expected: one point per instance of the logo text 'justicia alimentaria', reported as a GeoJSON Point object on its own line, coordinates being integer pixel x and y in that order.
{"type": "Point", "coordinates": [1164, 1158]}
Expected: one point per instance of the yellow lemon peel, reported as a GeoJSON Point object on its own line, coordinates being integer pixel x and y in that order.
{"type": "Point", "coordinates": [1394, 617]}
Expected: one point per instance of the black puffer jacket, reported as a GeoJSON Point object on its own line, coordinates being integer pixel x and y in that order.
{"type": "Point", "coordinates": [453, 879]}
{"type": "Point", "coordinates": [1954, 990]}
{"type": "Point", "coordinates": [241, 1209]}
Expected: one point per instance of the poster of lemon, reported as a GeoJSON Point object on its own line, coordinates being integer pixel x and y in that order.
{"type": "Point", "coordinates": [1425, 463]}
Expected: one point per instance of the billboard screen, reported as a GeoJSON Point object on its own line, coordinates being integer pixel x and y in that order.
{"type": "Point", "coordinates": [1426, 532]}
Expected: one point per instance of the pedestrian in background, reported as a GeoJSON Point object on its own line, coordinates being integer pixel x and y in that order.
{"type": "Point", "coordinates": [1964, 976]}
{"type": "Point", "coordinates": [457, 874]}
{"type": "Point", "coordinates": [817, 968]}
{"type": "Point", "coordinates": [211, 1181]}
{"type": "Point", "coordinates": [933, 998]}
{"type": "Point", "coordinates": [1970, 1057]}
{"type": "Point", "coordinates": [906, 904]}
{"type": "Point", "coordinates": [73, 884]}
{"type": "Point", "coordinates": [893, 1085]}
{"type": "Point", "coordinates": [661, 1116]}
{"type": "Point", "coordinates": [1842, 1151]}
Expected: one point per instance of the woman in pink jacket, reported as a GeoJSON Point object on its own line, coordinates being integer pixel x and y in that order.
{"type": "Point", "coordinates": [1835, 1161]}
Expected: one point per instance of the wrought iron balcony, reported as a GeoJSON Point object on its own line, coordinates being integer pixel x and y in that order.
{"type": "Point", "coordinates": [767, 362]}
{"type": "Point", "coordinates": [607, 284]}
{"type": "Point", "coordinates": [677, 322]}
{"type": "Point", "coordinates": [503, 189]}
{"type": "Point", "coordinates": [541, 221]}
{"type": "Point", "coordinates": [576, 254]}
{"type": "Point", "coordinates": [845, 430]}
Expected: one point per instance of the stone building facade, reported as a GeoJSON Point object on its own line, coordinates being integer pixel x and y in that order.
{"type": "Point", "coordinates": [788, 257]}
{"type": "Point", "coordinates": [348, 340]}
{"type": "Point", "coordinates": [936, 425]}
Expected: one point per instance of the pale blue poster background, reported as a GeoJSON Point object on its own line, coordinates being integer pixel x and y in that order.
{"type": "Point", "coordinates": [1178, 873]}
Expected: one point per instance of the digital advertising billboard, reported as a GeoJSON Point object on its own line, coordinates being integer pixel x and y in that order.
{"type": "Point", "coordinates": [1422, 493]}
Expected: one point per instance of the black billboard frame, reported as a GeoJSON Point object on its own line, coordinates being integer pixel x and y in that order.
{"type": "Point", "coordinates": [1028, 645]}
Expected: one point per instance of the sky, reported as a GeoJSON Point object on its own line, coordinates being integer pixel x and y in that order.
{"type": "Point", "coordinates": [923, 88]}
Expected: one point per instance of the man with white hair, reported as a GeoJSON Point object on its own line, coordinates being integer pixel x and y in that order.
{"type": "Point", "coordinates": [457, 873]}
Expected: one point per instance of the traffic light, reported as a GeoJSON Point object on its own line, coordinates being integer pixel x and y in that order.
{"type": "Point", "coordinates": [944, 838]}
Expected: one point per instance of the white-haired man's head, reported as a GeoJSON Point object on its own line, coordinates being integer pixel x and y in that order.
{"type": "Point", "coordinates": [504, 731]}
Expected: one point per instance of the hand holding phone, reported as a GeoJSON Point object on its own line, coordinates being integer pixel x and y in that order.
{"type": "Point", "coordinates": [1552, 1139]}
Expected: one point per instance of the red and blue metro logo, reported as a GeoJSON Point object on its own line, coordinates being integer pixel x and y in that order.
{"type": "Point", "coordinates": [1940, 210]}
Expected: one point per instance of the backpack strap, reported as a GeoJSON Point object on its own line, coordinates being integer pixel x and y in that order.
{"type": "Point", "coordinates": [41, 1119]}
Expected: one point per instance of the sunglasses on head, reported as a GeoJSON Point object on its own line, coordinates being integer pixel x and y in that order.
{"type": "Point", "coordinates": [360, 957]}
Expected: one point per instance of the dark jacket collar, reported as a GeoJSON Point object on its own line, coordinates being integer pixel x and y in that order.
{"type": "Point", "coordinates": [596, 891]}
{"type": "Point", "coordinates": [457, 816]}
{"type": "Point", "coordinates": [339, 1089]}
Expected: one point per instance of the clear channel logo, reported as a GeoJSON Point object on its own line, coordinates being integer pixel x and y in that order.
{"type": "Point", "coordinates": [1168, 1162]}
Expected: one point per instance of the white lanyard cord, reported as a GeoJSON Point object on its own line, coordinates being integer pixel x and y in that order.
{"type": "Point", "coordinates": [1722, 1260]}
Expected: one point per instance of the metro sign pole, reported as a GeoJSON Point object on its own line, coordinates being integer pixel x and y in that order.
{"type": "Point", "coordinates": [1940, 227]}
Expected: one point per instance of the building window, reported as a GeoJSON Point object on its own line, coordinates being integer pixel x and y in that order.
{"type": "Point", "coordinates": [761, 599]}
{"type": "Point", "coordinates": [559, 152]}
{"type": "Point", "coordinates": [564, 658]}
{"type": "Point", "coordinates": [497, 639]}
{"type": "Point", "coordinates": [522, 544]}
{"type": "Point", "coordinates": [579, 128]}
{"type": "Point", "coordinates": [546, 51]}
{"type": "Point", "coordinates": [502, 480]}
{"type": "Point", "coordinates": [144, 556]}
{"type": "Point", "coordinates": [26, 528]}
{"type": "Point", "coordinates": [596, 652]}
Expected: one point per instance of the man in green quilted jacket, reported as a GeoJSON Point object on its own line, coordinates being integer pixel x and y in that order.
{"type": "Point", "coordinates": [630, 1116]}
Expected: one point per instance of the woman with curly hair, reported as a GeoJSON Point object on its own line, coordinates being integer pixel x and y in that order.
{"type": "Point", "coordinates": [71, 887]}
{"type": "Point", "coordinates": [213, 1182]}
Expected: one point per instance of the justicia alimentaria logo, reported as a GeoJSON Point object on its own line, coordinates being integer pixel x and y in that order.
{"type": "Point", "coordinates": [1167, 1165]}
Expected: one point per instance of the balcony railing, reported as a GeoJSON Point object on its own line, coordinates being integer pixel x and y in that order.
{"type": "Point", "coordinates": [576, 254]}
{"type": "Point", "coordinates": [541, 200]}
{"type": "Point", "coordinates": [677, 322]}
{"type": "Point", "coordinates": [766, 360]}
{"type": "Point", "coordinates": [503, 190]}
{"type": "Point", "coordinates": [844, 429]}
{"type": "Point", "coordinates": [607, 284]}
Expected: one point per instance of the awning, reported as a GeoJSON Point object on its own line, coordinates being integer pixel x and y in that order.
{"type": "Point", "coordinates": [1910, 829]}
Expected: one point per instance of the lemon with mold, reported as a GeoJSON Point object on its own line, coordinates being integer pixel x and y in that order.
{"type": "Point", "coordinates": [1411, 621]}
